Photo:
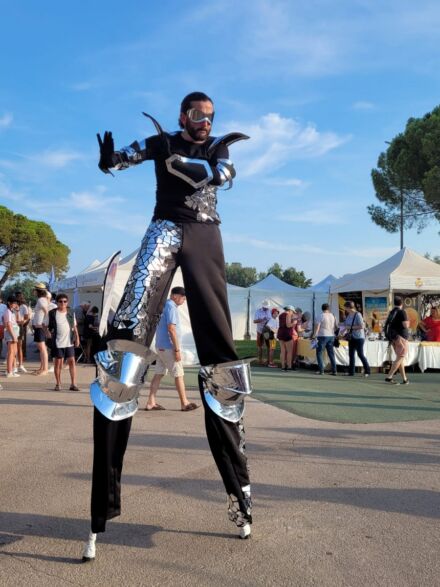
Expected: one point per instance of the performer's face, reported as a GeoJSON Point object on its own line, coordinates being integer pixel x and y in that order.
{"type": "Point", "coordinates": [198, 131]}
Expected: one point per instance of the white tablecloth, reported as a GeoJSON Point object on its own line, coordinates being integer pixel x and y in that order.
{"type": "Point", "coordinates": [429, 356]}
{"type": "Point", "coordinates": [376, 351]}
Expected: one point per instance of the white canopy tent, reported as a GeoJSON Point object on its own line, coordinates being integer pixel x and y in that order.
{"type": "Point", "coordinates": [406, 272]}
{"type": "Point", "coordinates": [325, 284]}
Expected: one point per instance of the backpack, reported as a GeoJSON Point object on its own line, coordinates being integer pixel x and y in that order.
{"type": "Point", "coordinates": [388, 330]}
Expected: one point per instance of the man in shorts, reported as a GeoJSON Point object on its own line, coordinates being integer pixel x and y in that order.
{"type": "Point", "coordinates": [169, 354]}
{"type": "Point", "coordinates": [23, 318]}
{"type": "Point", "coordinates": [38, 323]}
{"type": "Point", "coordinates": [64, 333]}
{"type": "Point", "coordinates": [261, 318]}
{"type": "Point", "coordinates": [398, 325]}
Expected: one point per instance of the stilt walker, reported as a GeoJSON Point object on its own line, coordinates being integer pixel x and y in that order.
{"type": "Point", "coordinates": [190, 166]}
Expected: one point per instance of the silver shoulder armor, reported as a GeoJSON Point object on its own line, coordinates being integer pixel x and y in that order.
{"type": "Point", "coordinates": [225, 167]}
{"type": "Point", "coordinates": [226, 140]}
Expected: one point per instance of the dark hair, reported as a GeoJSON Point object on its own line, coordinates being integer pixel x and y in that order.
{"type": "Point", "coordinates": [94, 310]}
{"type": "Point", "coordinates": [349, 304]}
{"type": "Point", "coordinates": [11, 300]}
{"type": "Point", "coordinates": [193, 97]}
{"type": "Point", "coordinates": [325, 307]}
{"type": "Point", "coordinates": [178, 291]}
{"type": "Point", "coordinates": [41, 293]}
{"type": "Point", "coordinates": [398, 301]}
{"type": "Point", "coordinates": [62, 296]}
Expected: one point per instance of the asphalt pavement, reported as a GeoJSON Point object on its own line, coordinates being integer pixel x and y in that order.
{"type": "Point", "coordinates": [334, 504]}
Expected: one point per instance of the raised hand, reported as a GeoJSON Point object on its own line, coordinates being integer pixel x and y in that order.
{"type": "Point", "coordinates": [107, 149]}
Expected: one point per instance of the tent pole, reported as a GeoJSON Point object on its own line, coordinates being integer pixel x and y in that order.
{"type": "Point", "coordinates": [247, 334]}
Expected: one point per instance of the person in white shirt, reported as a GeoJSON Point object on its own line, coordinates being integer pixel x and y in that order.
{"type": "Point", "coordinates": [38, 324]}
{"type": "Point", "coordinates": [261, 317]}
{"type": "Point", "coordinates": [64, 334]}
{"type": "Point", "coordinates": [3, 307]}
{"type": "Point", "coordinates": [11, 335]}
{"type": "Point", "coordinates": [273, 325]}
{"type": "Point", "coordinates": [23, 317]}
{"type": "Point", "coordinates": [325, 333]}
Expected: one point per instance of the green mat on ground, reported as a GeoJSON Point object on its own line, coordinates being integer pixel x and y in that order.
{"type": "Point", "coordinates": [343, 399]}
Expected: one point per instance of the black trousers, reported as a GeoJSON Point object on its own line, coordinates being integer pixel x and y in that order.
{"type": "Point", "coordinates": [200, 255]}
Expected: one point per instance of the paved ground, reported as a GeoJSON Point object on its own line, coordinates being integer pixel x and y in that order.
{"type": "Point", "coordinates": [334, 504]}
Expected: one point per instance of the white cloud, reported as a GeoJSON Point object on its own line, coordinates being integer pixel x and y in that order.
{"type": "Point", "coordinates": [276, 140]}
{"type": "Point", "coordinates": [378, 253]}
{"type": "Point", "coordinates": [287, 182]}
{"type": "Point", "coordinates": [92, 201]}
{"type": "Point", "coordinates": [320, 216]}
{"type": "Point", "coordinates": [371, 252]}
{"type": "Point", "coordinates": [6, 120]}
{"type": "Point", "coordinates": [82, 86]}
{"type": "Point", "coordinates": [92, 208]}
{"type": "Point", "coordinates": [363, 105]}
{"type": "Point", "coordinates": [56, 159]}
{"type": "Point", "coordinates": [7, 194]}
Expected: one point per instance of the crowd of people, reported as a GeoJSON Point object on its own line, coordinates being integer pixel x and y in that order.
{"type": "Point", "coordinates": [63, 333]}
{"type": "Point", "coordinates": [285, 327]}
{"type": "Point", "coordinates": [288, 326]}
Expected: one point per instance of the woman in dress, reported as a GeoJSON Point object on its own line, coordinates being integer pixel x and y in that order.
{"type": "Point", "coordinates": [285, 336]}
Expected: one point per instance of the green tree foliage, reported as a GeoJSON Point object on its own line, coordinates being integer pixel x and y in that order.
{"type": "Point", "coordinates": [26, 286]}
{"type": "Point", "coordinates": [407, 177]}
{"type": "Point", "coordinates": [28, 247]}
{"type": "Point", "coordinates": [296, 278]}
{"type": "Point", "coordinates": [274, 269]}
{"type": "Point", "coordinates": [435, 258]}
{"type": "Point", "coordinates": [289, 275]}
{"type": "Point", "coordinates": [236, 274]}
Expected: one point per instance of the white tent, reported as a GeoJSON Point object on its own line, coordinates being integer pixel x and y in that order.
{"type": "Point", "coordinates": [325, 284]}
{"type": "Point", "coordinates": [406, 271]}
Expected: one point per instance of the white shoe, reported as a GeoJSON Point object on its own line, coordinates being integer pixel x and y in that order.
{"type": "Point", "coordinates": [245, 531]}
{"type": "Point", "coordinates": [22, 369]}
{"type": "Point", "coordinates": [12, 374]}
{"type": "Point", "coordinates": [89, 551]}
{"type": "Point", "coordinates": [50, 370]}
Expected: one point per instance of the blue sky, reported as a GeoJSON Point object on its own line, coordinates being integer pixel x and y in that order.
{"type": "Point", "coordinates": [319, 86]}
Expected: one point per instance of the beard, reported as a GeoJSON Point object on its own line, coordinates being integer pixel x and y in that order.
{"type": "Point", "coordinates": [197, 134]}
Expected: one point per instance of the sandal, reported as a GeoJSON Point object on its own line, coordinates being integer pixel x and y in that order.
{"type": "Point", "coordinates": [189, 407]}
{"type": "Point", "coordinates": [57, 387]}
{"type": "Point", "coordinates": [154, 408]}
{"type": "Point", "coordinates": [73, 388]}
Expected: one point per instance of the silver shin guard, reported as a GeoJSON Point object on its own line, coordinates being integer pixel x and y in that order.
{"type": "Point", "coordinates": [121, 371]}
{"type": "Point", "coordinates": [225, 386]}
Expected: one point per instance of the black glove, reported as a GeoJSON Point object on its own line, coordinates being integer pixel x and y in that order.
{"type": "Point", "coordinates": [107, 149]}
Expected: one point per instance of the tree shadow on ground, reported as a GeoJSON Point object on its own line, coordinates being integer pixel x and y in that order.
{"type": "Point", "coordinates": [415, 502]}
{"type": "Point", "coordinates": [346, 433]}
{"type": "Point", "coordinates": [39, 402]}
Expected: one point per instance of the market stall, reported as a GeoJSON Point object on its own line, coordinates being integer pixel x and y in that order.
{"type": "Point", "coordinates": [378, 352]}
{"type": "Point", "coordinates": [408, 274]}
